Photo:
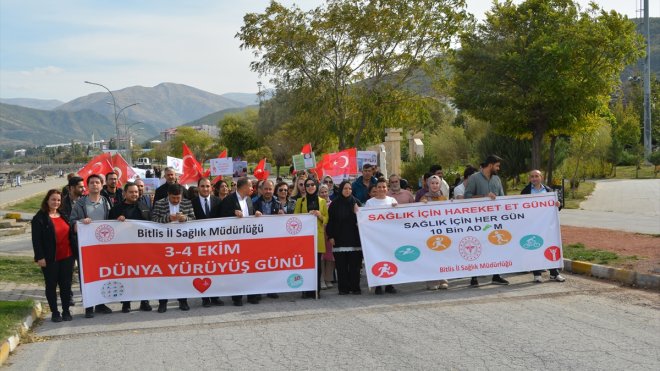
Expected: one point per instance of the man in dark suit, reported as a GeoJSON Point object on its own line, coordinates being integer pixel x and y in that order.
{"type": "Point", "coordinates": [170, 178]}
{"type": "Point", "coordinates": [239, 204]}
{"type": "Point", "coordinates": [174, 208]}
{"type": "Point", "coordinates": [204, 205]}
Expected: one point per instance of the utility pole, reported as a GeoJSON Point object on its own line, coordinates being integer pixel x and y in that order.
{"type": "Point", "coordinates": [647, 83]}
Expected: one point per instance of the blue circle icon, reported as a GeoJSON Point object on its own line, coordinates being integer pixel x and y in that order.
{"type": "Point", "coordinates": [407, 253]}
{"type": "Point", "coordinates": [531, 242]}
{"type": "Point", "coordinates": [294, 281]}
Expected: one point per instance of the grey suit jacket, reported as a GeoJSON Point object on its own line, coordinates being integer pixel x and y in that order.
{"type": "Point", "coordinates": [161, 211]}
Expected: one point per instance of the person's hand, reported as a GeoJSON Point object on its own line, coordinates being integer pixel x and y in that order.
{"type": "Point", "coordinates": [492, 195]}
{"type": "Point", "coordinates": [181, 217]}
{"type": "Point", "coordinates": [424, 200]}
{"type": "Point", "coordinates": [238, 213]}
{"type": "Point", "coordinates": [258, 213]}
{"type": "Point", "coordinates": [42, 263]}
{"type": "Point", "coordinates": [121, 218]}
{"type": "Point", "coordinates": [394, 204]}
{"type": "Point", "coordinates": [86, 220]}
{"type": "Point", "coordinates": [281, 212]}
{"type": "Point", "coordinates": [174, 217]}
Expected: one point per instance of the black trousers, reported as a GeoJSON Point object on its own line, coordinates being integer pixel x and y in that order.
{"type": "Point", "coordinates": [348, 266]}
{"type": "Point", "coordinates": [58, 273]}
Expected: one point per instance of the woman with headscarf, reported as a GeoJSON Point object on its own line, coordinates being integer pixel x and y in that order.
{"type": "Point", "coordinates": [311, 203]}
{"type": "Point", "coordinates": [344, 237]}
{"type": "Point", "coordinates": [434, 194]}
{"type": "Point", "coordinates": [53, 253]}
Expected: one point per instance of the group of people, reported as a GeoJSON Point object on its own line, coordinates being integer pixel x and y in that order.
{"type": "Point", "coordinates": [54, 227]}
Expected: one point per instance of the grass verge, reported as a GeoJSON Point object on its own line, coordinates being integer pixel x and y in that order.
{"type": "Point", "coordinates": [578, 251]}
{"type": "Point", "coordinates": [572, 199]}
{"type": "Point", "coordinates": [631, 172]}
{"type": "Point", "coordinates": [20, 269]}
{"type": "Point", "coordinates": [30, 205]}
{"type": "Point", "coordinates": [11, 314]}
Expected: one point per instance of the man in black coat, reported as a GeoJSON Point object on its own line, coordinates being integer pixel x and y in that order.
{"type": "Point", "coordinates": [239, 204]}
{"type": "Point", "coordinates": [170, 178]}
{"type": "Point", "coordinates": [203, 206]}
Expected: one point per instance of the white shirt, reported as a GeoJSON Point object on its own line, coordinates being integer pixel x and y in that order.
{"type": "Point", "coordinates": [174, 209]}
{"type": "Point", "coordinates": [459, 190]}
{"type": "Point", "coordinates": [243, 202]}
{"type": "Point", "coordinates": [387, 201]}
{"type": "Point", "coordinates": [208, 202]}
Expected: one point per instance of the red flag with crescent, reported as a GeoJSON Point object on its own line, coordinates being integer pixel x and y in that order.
{"type": "Point", "coordinates": [342, 163]}
{"type": "Point", "coordinates": [192, 170]}
{"type": "Point", "coordinates": [307, 148]}
{"type": "Point", "coordinates": [100, 164]}
{"type": "Point", "coordinates": [122, 168]}
{"type": "Point", "coordinates": [260, 171]}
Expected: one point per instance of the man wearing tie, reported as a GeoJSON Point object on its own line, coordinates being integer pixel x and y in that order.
{"type": "Point", "coordinates": [239, 204]}
{"type": "Point", "coordinates": [203, 206]}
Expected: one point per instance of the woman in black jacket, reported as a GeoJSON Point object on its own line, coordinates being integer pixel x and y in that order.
{"type": "Point", "coordinates": [53, 253]}
{"type": "Point", "coordinates": [343, 234]}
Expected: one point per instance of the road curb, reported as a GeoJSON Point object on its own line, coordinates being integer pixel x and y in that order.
{"type": "Point", "coordinates": [625, 276]}
{"type": "Point", "coordinates": [10, 344]}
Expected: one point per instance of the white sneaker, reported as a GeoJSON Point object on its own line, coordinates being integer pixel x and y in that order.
{"type": "Point", "coordinates": [444, 284]}
{"type": "Point", "coordinates": [329, 284]}
{"type": "Point", "coordinates": [558, 278]}
{"type": "Point", "coordinates": [323, 286]}
{"type": "Point", "coordinates": [434, 287]}
{"type": "Point", "coordinates": [538, 279]}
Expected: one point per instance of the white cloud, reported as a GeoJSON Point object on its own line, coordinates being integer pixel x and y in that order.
{"type": "Point", "coordinates": [42, 71]}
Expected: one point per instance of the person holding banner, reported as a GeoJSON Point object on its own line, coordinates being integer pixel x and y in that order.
{"type": "Point", "coordinates": [53, 253]}
{"type": "Point", "coordinates": [92, 207]}
{"type": "Point", "coordinates": [131, 209]}
{"type": "Point", "coordinates": [381, 199]}
{"type": "Point", "coordinates": [239, 204]}
{"type": "Point", "coordinates": [435, 193]}
{"type": "Point", "coordinates": [486, 183]}
{"type": "Point", "coordinates": [536, 186]}
{"type": "Point", "coordinates": [205, 205]}
{"type": "Point", "coordinates": [344, 237]}
{"type": "Point", "coordinates": [282, 193]}
{"type": "Point", "coordinates": [313, 204]}
{"type": "Point", "coordinates": [299, 186]}
{"type": "Point", "coordinates": [174, 208]}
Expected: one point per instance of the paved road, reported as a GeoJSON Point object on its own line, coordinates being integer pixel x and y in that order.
{"type": "Point", "coordinates": [15, 194]}
{"type": "Point", "coordinates": [580, 324]}
{"type": "Point", "coordinates": [626, 205]}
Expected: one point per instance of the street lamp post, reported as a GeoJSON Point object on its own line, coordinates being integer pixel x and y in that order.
{"type": "Point", "coordinates": [116, 112]}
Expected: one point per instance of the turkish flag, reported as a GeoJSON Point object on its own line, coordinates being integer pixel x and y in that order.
{"type": "Point", "coordinates": [122, 168]}
{"type": "Point", "coordinates": [340, 164]}
{"type": "Point", "coordinates": [100, 164]}
{"type": "Point", "coordinates": [260, 171]}
{"type": "Point", "coordinates": [307, 148]}
{"type": "Point", "coordinates": [192, 170]}
{"type": "Point", "coordinates": [223, 154]}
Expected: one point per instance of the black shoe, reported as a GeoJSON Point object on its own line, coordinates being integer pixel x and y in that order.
{"type": "Point", "coordinates": [66, 315]}
{"type": "Point", "coordinates": [238, 303]}
{"type": "Point", "coordinates": [272, 296]}
{"type": "Point", "coordinates": [474, 282]}
{"type": "Point", "coordinates": [390, 289]}
{"type": "Point", "coordinates": [56, 317]}
{"type": "Point", "coordinates": [217, 302]}
{"type": "Point", "coordinates": [206, 302]}
{"type": "Point", "coordinates": [126, 307]}
{"type": "Point", "coordinates": [102, 308]}
{"type": "Point", "coordinates": [309, 294]}
{"type": "Point", "coordinates": [183, 305]}
{"type": "Point", "coordinates": [497, 280]}
{"type": "Point", "coordinates": [344, 292]}
{"type": "Point", "coordinates": [145, 306]}
{"type": "Point", "coordinates": [253, 300]}
{"type": "Point", "coordinates": [379, 290]}
{"type": "Point", "coordinates": [162, 307]}
{"type": "Point", "coordinates": [89, 312]}
{"type": "Point", "coordinates": [356, 292]}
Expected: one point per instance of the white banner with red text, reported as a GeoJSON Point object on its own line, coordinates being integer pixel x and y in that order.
{"type": "Point", "coordinates": [141, 260]}
{"type": "Point", "coordinates": [461, 238]}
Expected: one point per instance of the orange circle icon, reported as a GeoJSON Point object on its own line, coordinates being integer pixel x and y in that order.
{"type": "Point", "coordinates": [438, 242]}
{"type": "Point", "coordinates": [499, 237]}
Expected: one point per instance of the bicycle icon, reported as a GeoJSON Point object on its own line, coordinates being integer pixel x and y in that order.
{"type": "Point", "coordinates": [531, 242]}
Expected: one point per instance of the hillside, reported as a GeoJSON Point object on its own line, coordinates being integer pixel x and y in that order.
{"type": "Point", "coordinates": [215, 117]}
{"type": "Point", "coordinates": [43, 104]}
{"type": "Point", "coordinates": [164, 105]}
{"type": "Point", "coordinates": [246, 99]}
{"type": "Point", "coordinates": [21, 126]}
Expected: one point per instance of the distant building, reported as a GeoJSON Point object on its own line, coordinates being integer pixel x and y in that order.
{"type": "Point", "coordinates": [19, 153]}
{"type": "Point", "coordinates": [211, 130]}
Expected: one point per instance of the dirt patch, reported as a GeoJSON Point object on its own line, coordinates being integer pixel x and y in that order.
{"type": "Point", "coordinates": [645, 247]}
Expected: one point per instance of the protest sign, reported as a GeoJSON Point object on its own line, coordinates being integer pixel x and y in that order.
{"type": "Point", "coordinates": [464, 238]}
{"type": "Point", "coordinates": [222, 166]}
{"type": "Point", "coordinates": [141, 260]}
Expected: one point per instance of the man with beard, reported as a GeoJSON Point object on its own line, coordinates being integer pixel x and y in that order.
{"type": "Point", "coordinates": [170, 178]}
{"type": "Point", "coordinates": [486, 183]}
{"type": "Point", "coordinates": [402, 196]}
{"type": "Point", "coordinates": [110, 191]}
{"type": "Point", "coordinates": [142, 198]}
{"type": "Point", "coordinates": [130, 209]}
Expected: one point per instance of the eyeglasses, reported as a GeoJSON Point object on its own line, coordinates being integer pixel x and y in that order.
{"type": "Point", "coordinates": [282, 190]}
{"type": "Point", "coordinates": [327, 181]}
{"type": "Point", "coordinates": [310, 185]}
{"type": "Point", "coordinates": [301, 184]}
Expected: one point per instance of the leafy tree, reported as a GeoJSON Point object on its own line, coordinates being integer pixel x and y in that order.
{"type": "Point", "coordinates": [352, 57]}
{"type": "Point", "coordinates": [238, 132]}
{"type": "Point", "coordinates": [199, 142]}
{"type": "Point", "coordinates": [542, 66]}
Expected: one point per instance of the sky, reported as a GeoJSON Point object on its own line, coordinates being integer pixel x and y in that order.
{"type": "Point", "coordinates": [48, 48]}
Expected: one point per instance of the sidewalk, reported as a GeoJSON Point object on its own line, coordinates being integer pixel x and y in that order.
{"type": "Point", "coordinates": [13, 195]}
